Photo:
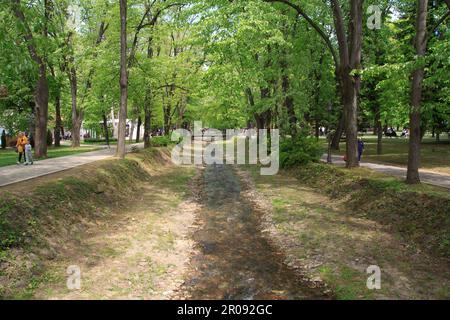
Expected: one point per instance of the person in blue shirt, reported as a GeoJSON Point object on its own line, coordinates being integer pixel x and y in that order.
{"type": "Point", "coordinates": [360, 148]}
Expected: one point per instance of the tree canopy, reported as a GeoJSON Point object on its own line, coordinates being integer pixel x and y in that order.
{"type": "Point", "coordinates": [294, 65]}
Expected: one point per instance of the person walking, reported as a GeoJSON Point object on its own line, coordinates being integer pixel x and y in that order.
{"type": "Point", "coordinates": [360, 148]}
{"type": "Point", "coordinates": [28, 154]}
{"type": "Point", "coordinates": [22, 140]}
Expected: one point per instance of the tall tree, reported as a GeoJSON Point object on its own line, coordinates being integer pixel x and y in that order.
{"type": "Point", "coordinates": [41, 93]}
{"type": "Point", "coordinates": [58, 129]}
{"type": "Point", "coordinates": [420, 44]}
{"type": "Point", "coordinates": [348, 64]}
{"type": "Point", "coordinates": [123, 80]}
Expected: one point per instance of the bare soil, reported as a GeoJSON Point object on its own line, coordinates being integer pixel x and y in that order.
{"type": "Point", "coordinates": [233, 259]}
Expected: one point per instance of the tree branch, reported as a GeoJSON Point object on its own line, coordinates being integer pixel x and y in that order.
{"type": "Point", "coordinates": [314, 25]}
{"type": "Point", "coordinates": [172, 85]}
{"type": "Point", "coordinates": [28, 35]}
{"type": "Point", "coordinates": [439, 22]}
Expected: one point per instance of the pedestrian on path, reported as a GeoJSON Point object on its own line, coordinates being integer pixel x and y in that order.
{"type": "Point", "coordinates": [28, 154]}
{"type": "Point", "coordinates": [360, 148]}
{"type": "Point", "coordinates": [22, 140]}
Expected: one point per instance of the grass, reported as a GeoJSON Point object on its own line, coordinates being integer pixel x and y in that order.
{"type": "Point", "coordinates": [166, 241]}
{"type": "Point", "coordinates": [114, 233]}
{"type": "Point", "coordinates": [334, 223]}
{"type": "Point", "coordinates": [9, 156]}
{"type": "Point", "coordinates": [111, 143]}
{"type": "Point", "coordinates": [349, 283]}
{"type": "Point", "coordinates": [419, 212]}
{"type": "Point", "coordinates": [435, 156]}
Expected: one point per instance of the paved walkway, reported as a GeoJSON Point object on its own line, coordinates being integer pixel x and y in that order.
{"type": "Point", "coordinates": [17, 173]}
{"type": "Point", "coordinates": [436, 179]}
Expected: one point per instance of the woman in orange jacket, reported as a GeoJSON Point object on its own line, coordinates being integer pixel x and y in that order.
{"type": "Point", "coordinates": [22, 140]}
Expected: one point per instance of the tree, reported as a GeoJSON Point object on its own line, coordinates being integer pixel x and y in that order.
{"type": "Point", "coordinates": [75, 67]}
{"type": "Point", "coordinates": [41, 93]}
{"type": "Point", "coordinates": [348, 65]}
{"type": "Point", "coordinates": [123, 80]}
{"type": "Point", "coordinates": [58, 130]}
{"type": "Point", "coordinates": [420, 44]}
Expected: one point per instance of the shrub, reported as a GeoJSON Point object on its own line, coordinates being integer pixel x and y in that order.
{"type": "Point", "coordinates": [161, 141]}
{"type": "Point", "coordinates": [299, 150]}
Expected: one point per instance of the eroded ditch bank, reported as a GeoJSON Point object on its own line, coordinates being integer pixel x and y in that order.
{"type": "Point", "coordinates": [119, 221]}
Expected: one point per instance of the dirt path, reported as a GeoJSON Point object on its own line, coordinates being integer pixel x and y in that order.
{"type": "Point", "coordinates": [233, 259]}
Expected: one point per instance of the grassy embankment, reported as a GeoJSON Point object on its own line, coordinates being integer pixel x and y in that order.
{"type": "Point", "coordinates": [116, 219]}
{"type": "Point", "coordinates": [334, 223]}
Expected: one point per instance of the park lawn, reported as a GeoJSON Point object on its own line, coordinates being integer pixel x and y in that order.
{"type": "Point", "coordinates": [9, 156]}
{"type": "Point", "coordinates": [112, 143]}
{"type": "Point", "coordinates": [98, 143]}
{"type": "Point", "coordinates": [434, 156]}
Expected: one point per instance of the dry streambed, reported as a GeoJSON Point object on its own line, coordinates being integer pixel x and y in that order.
{"type": "Point", "coordinates": [233, 260]}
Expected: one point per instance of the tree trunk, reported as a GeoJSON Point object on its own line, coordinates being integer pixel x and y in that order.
{"type": "Point", "coordinates": [167, 108]}
{"type": "Point", "coordinates": [58, 121]}
{"type": "Point", "coordinates": [420, 43]}
{"type": "Point", "coordinates": [317, 79]}
{"type": "Point", "coordinates": [77, 115]}
{"type": "Point", "coordinates": [41, 105]}
{"type": "Point", "coordinates": [352, 83]}
{"type": "Point", "coordinates": [316, 129]}
{"type": "Point", "coordinates": [41, 93]}
{"type": "Point", "coordinates": [148, 103]}
{"type": "Point", "coordinates": [123, 80]}
{"type": "Point", "coordinates": [379, 130]}
{"type": "Point", "coordinates": [350, 59]}
{"type": "Point", "coordinates": [105, 128]}
{"type": "Point", "coordinates": [167, 111]}
{"type": "Point", "coordinates": [351, 131]}
{"type": "Point", "coordinates": [57, 132]}
{"type": "Point", "coordinates": [130, 138]}
{"type": "Point", "coordinates": [147, 120]}
{"type": "Point", "coordinates": [338, 135]}
{"type": "Point", "coordinates": [288, 102]}
{"type": "Point", "coordinates": [138, 129]}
